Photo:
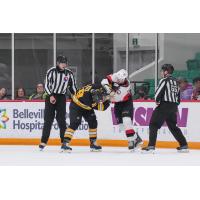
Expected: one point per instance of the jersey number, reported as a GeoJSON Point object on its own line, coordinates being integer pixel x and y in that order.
{"type": "Point", "coordinates": [80, 93]}
{"type": "Point", "coordinates": [174, 89]}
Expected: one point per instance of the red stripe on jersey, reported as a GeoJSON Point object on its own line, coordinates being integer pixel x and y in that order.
{"type": "Point", "coordinates": [126, 98]}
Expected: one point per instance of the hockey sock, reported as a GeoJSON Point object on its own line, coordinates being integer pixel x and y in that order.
{"type": "Point", "coordinates": [68, 135]}
{"type": "Point", "coordinates": [130, 133]}
{"type": "Point", "coordinates": [93, 135]}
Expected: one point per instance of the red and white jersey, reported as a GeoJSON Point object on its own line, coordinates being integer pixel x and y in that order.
{"type": "Point", "coordinates": [123, 92]}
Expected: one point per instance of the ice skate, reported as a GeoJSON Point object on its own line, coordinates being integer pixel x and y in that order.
{"type": "Point", "coordinates": [131, 145]}
{"type": "Point", "coordinates": [148, 149]}
{"type": "Point", "coordinates": [42, 146]}
{"type": "Point", "coordinates": [95, 148]}
{"type": "Point", "coordinates": [65, 148]}
{"type": "Point", "coordinates": [183, 149]}
{"type": "Point", "coordinates": [135, 143]}
{"type": "Point", "coordinates": [138, 141]}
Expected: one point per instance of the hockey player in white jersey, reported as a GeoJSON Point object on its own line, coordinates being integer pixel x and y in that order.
{"type": "Point", "coordinates": [118, 87]}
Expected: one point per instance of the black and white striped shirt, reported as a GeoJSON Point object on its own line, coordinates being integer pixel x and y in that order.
{"type": "Point", "coordinates": [168, 90]}
{"type": "Point", "coordinates": [58, 81]}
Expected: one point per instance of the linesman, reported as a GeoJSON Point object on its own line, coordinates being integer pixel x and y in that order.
{"type": "Point", "coordinates": [58, 80]}
{"type": "Point", "coordinates": [167, 98]}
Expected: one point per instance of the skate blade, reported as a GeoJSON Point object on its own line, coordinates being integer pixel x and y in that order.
{"type": "Point", "coordinates": [41, 150]}
{"type": "Point", "coordinates": [136, 148]}
{"type": "Point", "coordinates": [183, 151]}
{"type": "Point", "coordinates": [148, 152]}
{"type": "Point", "coordinates": [65, 151]}
{"type": "Point", "coordinates": [95, 150]}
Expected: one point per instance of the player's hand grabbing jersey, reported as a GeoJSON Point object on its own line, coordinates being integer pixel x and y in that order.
{"type": "Point", "coordinates": [119, 92]}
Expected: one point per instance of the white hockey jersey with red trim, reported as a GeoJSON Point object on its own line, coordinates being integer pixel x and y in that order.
{"type": "Point", "coordinates": [123, 93]}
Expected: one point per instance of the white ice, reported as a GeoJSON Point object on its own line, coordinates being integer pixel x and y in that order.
{"type": "Point", "coordinates": [110, 156]}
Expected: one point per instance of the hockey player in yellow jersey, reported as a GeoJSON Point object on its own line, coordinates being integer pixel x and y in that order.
{"type": "Point", "coordinates": [83, 103]}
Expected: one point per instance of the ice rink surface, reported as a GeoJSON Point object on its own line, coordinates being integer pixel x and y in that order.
{"type": "Point", "coordinates": [81, 156]}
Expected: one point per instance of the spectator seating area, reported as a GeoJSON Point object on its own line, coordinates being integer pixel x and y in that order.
{"type": "Point", "coordinates": [142, 90]}
{"type": "Point", "coordinates": [193, 71]}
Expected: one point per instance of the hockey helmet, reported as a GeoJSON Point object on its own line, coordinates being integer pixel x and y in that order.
{"type": "Point", "coordinates": [120, 76]}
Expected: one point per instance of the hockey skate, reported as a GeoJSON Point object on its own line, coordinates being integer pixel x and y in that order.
{"type": "Point", "coordinates": [65, 148]}
{"type": "Point", "coordinates": [183, 149]}
{"type": "Point", "coordinates": [42, 146]}
{"type": "Point", "coordinates": [131, 145]}
{"type": "Point", "coordinates": [135, 143]}
{"type": "Point", "coordinates": [138, 141]}
{"type": "Point", "coordinates": [95, 148]}
{"type": "Point", "coordinates": [148, 149]}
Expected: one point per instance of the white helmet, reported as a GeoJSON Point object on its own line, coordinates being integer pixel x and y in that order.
{"type": "Point", "coordinates": [120, 76]}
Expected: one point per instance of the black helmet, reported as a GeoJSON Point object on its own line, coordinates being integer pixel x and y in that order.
{"type": "Point", "coordinates": [61, 59]}
{"type": "Point", "coordinates": [168, 67]}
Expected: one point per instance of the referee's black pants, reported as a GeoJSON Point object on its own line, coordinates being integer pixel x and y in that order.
{"type": "Point", "coordinates": [59, 108]}
{"type": "Point", "coordinates": [166, 111]}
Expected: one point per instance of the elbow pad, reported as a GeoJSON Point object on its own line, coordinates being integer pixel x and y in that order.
{"type": "Point", "coordinates": [106, 86]}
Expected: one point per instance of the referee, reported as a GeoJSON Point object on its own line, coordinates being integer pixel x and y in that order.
{"type": "Point", "coordinates": [167, 98]}
{"type": "Point", "coordinates": [58, 79]}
